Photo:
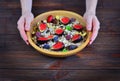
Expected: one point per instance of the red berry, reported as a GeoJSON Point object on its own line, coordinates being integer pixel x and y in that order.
{"type": "Point", "coordinates": [59, 31]}
{"type": "Point", "coordinates": [42, 27]}
{"type": "Point", "coordinates": [57, 46]}
{"type": "Point", "coordinates": [49, 18]}
{"type": "Point", "coordinates": [65, 20]}
{"type": "Point", "coordinates": [77, 26]}
{"type": "Point", "coordinates": [76, 38]}
{"type": "Point", "coordinates": [50, 37]}
{"type": "Point", "coordinates": [42, 39]}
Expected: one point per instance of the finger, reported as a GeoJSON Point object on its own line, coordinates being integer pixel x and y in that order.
{"type": "Point", "coordinates": [20, 23]}
{"type": "Point", "coordinates": [27, 24]}
{"type": "Point", "coordinates": [21, 30]}
{"type": "Point", "coordinates": [96, 27]}
{"type": "Point", "coordinates": [23, 35]}
{"type": "Point", "coordinates": [94, 35]}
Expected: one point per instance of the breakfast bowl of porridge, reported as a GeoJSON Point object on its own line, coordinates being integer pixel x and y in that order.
{"type": "Point", "coordinates": [58, 33]}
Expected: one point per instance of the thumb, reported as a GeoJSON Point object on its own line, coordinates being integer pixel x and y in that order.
{"type": "Point", "coordinates": [89, 23]}
{"type": "Point", "coordinates": [28, 21]}
{"type": "Point", "coordinates": [27, 24]}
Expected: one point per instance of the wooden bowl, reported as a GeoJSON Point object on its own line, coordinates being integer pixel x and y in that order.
{"type": "Point", "coordinates": [44, 16]}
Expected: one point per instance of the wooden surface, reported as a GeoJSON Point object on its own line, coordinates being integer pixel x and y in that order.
{"type": "Point", "coordinates": [98, 62]}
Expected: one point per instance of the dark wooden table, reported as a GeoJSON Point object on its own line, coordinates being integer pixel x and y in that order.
{"type": "Point", "coordinates": [98, 62]}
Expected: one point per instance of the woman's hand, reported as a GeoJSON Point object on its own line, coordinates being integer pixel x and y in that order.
{"type": "Point", "coordinates": [24, 25]}
{"type": "Point", "coordinates": [92, 24]}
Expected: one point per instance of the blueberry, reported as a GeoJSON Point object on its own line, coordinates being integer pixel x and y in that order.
{"type": "Point", "coordinates": [72, 47]}
{"type": "Point", "coordinates": [55, 39]}
{"type": "Point", "coordinates": [46, 46]}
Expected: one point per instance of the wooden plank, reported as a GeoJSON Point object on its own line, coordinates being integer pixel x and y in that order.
{"type": "Point", "coordinates": [109, 20]}
{"type": "Point", "coordinates": [50, 3]}
{"type": "Point", "coordinates": [111, 4]}
{"type": "Point", "coordinates": [61, 75]}
{"type": "Point", "coordinates": [61, 3]}
{"type": "Point", "coordinates": [11, 5]}
{"type": "Point", "coordinates": [15, 42]}
{"type": "Point", "coordinates": [34, 60]}
{"type": "Point", "coordinates": [11, 25]}
{"type": "Point", "coordinates": [10, 13]}
{"type": "Point", "coordinates": [40, 6]}
{"type": "Point", "coordinates": [2, 42]}
{"type": "Point", "coordinates": [58, 3]}
{"type": "Point", "coordinates": [3, 25]}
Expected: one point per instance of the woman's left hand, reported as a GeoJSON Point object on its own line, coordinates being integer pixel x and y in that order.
{"type": "Point", "coordinates": [92, 24]}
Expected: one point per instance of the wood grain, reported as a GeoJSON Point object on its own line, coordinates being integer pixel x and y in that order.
{"type": "Point", "coordinates": [61, 75]}
{"type": "Point", "coordinates": [98, 62]}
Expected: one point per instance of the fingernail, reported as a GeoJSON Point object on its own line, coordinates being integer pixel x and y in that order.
{"type": "Point", "coordinates": [27, 42]}
{"type": "Point", "coordinates": [90, 42]}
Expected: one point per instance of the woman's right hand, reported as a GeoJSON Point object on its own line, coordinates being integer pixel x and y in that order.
{"type": "Point", "coordinates": [24, 25]}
